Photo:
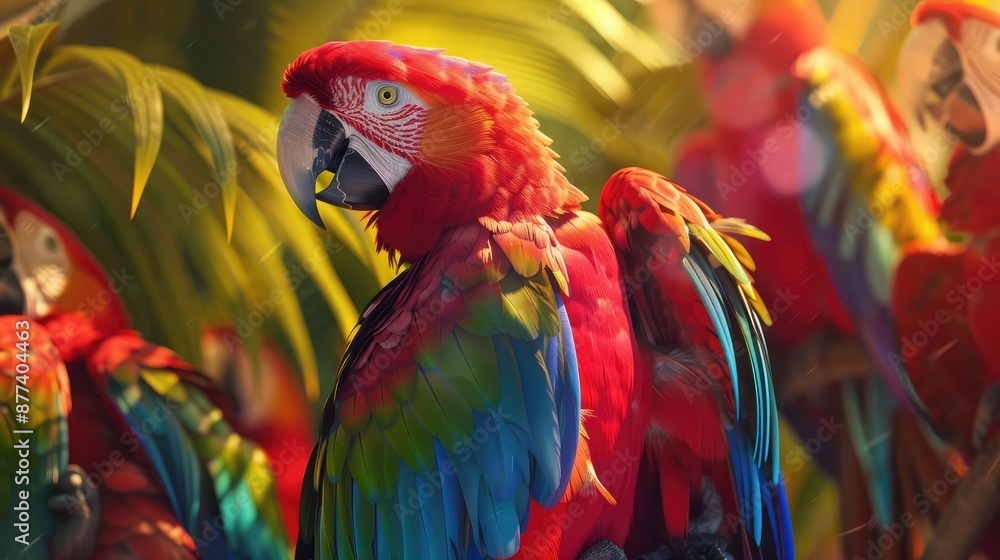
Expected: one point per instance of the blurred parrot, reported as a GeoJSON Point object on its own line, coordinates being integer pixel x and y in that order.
{"type": "Point", "coordinates": [51, 512]}
{"type": "Point", "coordinates": [271, 403]}
{"type": "Point", "coordinates": [803, 142]}
{"type": "Point", "coordinates": [503, 397]}
{"type": "Point", "coordinates": [154, 437]}
{"type": "Point", "coordinates": [948, 73]}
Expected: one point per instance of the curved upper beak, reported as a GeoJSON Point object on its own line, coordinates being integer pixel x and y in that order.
{"type": "Point", "coordinates": [923, 60]}
{"type": "Point", "coordinates": [312, 140]}
{"type": "Point", "coordinates": [12, 298]}
{"type": "Point", "coordinates": [933, 82]}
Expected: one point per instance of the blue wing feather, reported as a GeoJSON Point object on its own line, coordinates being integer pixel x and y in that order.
{"type": "Point", "coordinates": [753, 453]}
{"type": "Point", "coordinates": [174, 458]}
{"type": "Point", "coordinates": [564, 372]}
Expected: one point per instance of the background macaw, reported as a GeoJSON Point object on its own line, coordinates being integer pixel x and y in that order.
{"type": "Point", "coordinates": [951, 293]}
{"type": "Point", "coordinates": [154, 436]}
{"type": "Point", "coordinates": [497, 400]}
{"type": "Point", "coordinates": [803, 142]}
{"type": "Point", "coordinates": [273, 409]}
{"type": "Point", "coordinates": [34, 452]}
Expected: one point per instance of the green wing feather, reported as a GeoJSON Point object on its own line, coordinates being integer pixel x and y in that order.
{"type": "Point", "coordinates": [457, 402]}
{"type": "Point", "coordinates": [192, 435]}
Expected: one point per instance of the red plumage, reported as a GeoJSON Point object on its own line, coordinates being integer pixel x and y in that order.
{"type": "Point", "coordinates": [940, 354]}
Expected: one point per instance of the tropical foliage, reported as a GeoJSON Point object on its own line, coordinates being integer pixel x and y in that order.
{"type": "Point", "coordinates": [175, 188]}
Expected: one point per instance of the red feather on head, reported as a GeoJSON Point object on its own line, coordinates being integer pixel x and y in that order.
{"type": "Point", "coordinates": [954, 13]}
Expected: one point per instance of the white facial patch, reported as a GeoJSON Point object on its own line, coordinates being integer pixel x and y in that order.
{"type": "Point", "coordinates": [980, 54]}
{"type": "Point", "coordinates": [386, 111]}
{"type": "Point", "coordinates": [396, 115]}
{"type": "Point", "coordinates": [917, 64]}
{"type": "Point", "coordinates": [390, 167]}
{"type": "Point", "coordinates": [40, 262]}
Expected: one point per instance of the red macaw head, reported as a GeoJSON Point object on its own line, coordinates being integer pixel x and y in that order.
{"type": "Point", "coordinates": [428, 141]}
{"type": "Point", "coordinates": [712, 27]}
{"type": "Point", "coordinates": [47, 269]}
{"type": "Point", "coordinates": [949, 68]}
{"type": "Point", "coordinates": [744, 50]}
{"type": "Point", "coordinates": [709, 25]}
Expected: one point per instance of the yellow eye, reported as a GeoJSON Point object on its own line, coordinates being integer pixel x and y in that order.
{"type": "Point", "coordinates": [387, 95]}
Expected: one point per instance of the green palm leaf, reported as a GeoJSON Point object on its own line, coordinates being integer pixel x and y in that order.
{"type": "Point", "coordinates": [175, 187]}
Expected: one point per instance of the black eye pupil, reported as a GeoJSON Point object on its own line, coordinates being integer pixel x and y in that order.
{"type": "Point", "coordinates": [386, 94]}
{"type": "Point", "coordinates": [50, 243]}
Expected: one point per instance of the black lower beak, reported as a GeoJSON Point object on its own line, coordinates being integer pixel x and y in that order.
{"type": "Point", "coordinates": [12, 300]}
{"type": "Point", "coordinates": [312, 140]}
{"type": "Point", "coordinates": [355, 184]}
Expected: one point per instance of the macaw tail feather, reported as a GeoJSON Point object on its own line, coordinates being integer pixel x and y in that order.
{"type": "Point", "coordinates": [872, 440]}
{"type": "Point", "coordinates": [753, 455]}
{"type": "Point", "coordinates": [779, 519]}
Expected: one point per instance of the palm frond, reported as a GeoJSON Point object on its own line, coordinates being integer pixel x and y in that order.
{"type": "Point", "coordinates": [175, 187]}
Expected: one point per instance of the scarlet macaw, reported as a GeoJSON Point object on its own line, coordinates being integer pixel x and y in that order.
{"type": "Point", "coordinates": [502, 397]}
{"type": "Point", "coordinates": [154, 436]}
{"type": "Point", "coordinates": [947, 72]}
{"type": "Point", "coordinates": [804, 143]}
{"type": "Point", "coordinates": [950, 293]}
{"type": "Point", "coordinates": [50, 514]}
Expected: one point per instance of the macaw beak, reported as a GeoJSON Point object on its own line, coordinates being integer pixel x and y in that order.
{"type": "Point", "coordinates": [12, 299]}
{"type": "Point", "coordinates": [921, 58]}
{"type": "Point", "coordinates": [312, 140]}
{"type": "Point", "coordinates": [934, 82]}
